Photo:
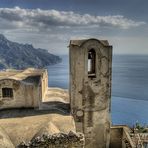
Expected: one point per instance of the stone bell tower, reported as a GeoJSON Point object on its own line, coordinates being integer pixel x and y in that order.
{"type": "Point", "coordinates": [90, 89]}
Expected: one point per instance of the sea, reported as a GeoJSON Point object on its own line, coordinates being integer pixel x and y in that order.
{"type": "Point", "coordinates": [129, 101]}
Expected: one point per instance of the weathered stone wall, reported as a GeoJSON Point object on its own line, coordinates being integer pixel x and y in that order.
{"type": "Point", "coordinates": [120, 137]}
{"type": "Point", "coordinates": [116, 137]}
{"type": "Point", "coordinates": [90, 95]}
{"type": "Point", "coordinates": [24, 94]}
{"type": "Point", "coordinates": [29, 92]}
{"type": "Point", "coordinates": [44, 84]}
{"type": "Point", "coordinates": [59, 140]}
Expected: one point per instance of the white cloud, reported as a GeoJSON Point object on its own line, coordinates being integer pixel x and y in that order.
{"type": "Point", "coordinates": [52, 29]}
{"type": "Point", "coordinates": [45, 19]}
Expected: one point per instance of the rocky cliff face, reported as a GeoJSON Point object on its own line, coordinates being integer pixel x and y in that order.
{"type": "Point", "coordinates": [21, 56]}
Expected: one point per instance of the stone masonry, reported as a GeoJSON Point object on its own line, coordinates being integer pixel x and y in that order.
{"type": "Point", "coordinates": [90, 89]}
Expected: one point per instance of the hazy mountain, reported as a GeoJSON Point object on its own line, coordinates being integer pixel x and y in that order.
{"type": "Point", "coordinates": [20, 56]}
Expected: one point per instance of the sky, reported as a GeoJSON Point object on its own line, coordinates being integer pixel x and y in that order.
{"type": "Point", "coordinates": [51, 24]}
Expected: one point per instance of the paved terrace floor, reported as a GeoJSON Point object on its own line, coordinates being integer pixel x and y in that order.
{"type": "Point", "coordinates": [56, 99]}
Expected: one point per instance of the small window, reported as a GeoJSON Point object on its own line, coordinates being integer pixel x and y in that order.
{"type": "Point", "coordinates": [91, 62]}
{"type": "Point", "coordinates": [7, 92]}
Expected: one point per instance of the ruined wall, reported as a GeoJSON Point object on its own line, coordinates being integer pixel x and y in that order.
{"type": "Point", "coordinates": [28, 92]}
{"type": "Point", "coordinates": [23, 94]}
{"type": "Point", "coordinates": [44, 84]}
{"type": "Point", "coordinates": [90, 95]}
{"type": "Point", "coordinates": [120, 137]}
{"type": "Point", "coordinates": [116, 137]}
{"type": "Point", "coordinates": [35, 81]}
{"type": "Point", "coordinates": [58, 140]}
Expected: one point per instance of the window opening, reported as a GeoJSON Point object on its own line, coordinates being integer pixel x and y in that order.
{"type": "Point", "coordinates": [7, 92]}
{"type": "Point", "coordinates": [91, 62]}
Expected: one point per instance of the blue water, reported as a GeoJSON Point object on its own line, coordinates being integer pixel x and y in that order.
{"type": "Point", "coordinates": [129, 87]}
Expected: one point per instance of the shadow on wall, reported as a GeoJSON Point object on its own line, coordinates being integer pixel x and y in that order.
{"type": "Point", "coordinates": [15, 113]}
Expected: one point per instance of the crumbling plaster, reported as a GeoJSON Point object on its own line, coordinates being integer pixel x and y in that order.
{"type": "Point", "coordinates": [90, 96]}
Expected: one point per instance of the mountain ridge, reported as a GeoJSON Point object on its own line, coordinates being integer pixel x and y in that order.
{"type": "Point", "coordinates": [20, 56]}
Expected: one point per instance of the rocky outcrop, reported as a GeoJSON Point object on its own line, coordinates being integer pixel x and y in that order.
{"type": "Point", "coordinates": [21, 56]}
{"type": "Point", "coordinates": [5, 141]}
{"type": "Point", "coordinates": [59, 140]}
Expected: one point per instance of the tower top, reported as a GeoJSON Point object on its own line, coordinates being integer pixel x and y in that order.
{"type": "Point", "coordinates": [83, 41]}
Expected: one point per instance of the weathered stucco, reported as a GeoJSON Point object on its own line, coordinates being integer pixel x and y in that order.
{"type": "Point", "coordinates": [90, 95]}
{"type": "Point", "coordinates": [29, 88]}
{"type": "Point", "coordinates": [120, 137]}
{"type": "Point", "coordinates": [23, 94]}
